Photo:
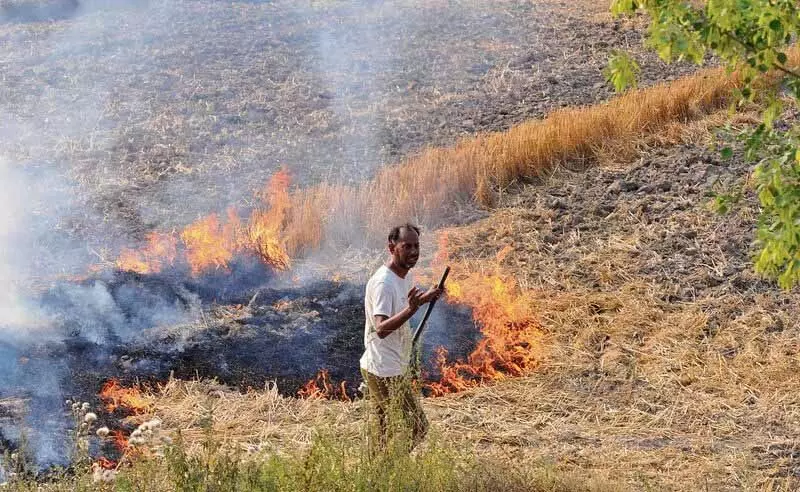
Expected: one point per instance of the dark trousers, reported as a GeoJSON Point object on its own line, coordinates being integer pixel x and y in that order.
{"type": "Point", "coordinates": [391, 396]}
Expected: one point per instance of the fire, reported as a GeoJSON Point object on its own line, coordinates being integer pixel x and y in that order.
{"type": "Point", "coordinates": [160, 251]}
{"type": "Point", "coordinates": [321, 387]}
{"type": "Point", "coordinates": [511, 334]}
{"type": "Point", "coordinates": [130, 400]}
{"type": "Point", "coordinates": [106, 464]}
{"type": "Point", "coordinates": [117, 396]}
{"type": "Point", "coordinates": [510, 346]}
{"type": "Point", "coordinates": [120, 441]}
{"type": "Point", "coordinates": [207, 246]}
{"type": "Point", "coordinates": [211, 242]}
{"type": "Point", "coordinates": [263, 231]}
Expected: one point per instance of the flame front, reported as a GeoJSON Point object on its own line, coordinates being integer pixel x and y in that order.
{"type": "Point", "coordinates": [211, 242]}
{"type": "Point", "coordinates": [160, 252]}
{"type": "Point", "coordinates": [511, 333]}
{"type": "Point", "coordinates": [115, 396]}
{"type": "Point", "coordinates": [106, 464]}
{"type": "Point", "coordinates": [264, 229]}
{"type": "Point", "coordinates": [510, 347]}
{"type": "Point", "coordinates": [321, 387]}
{"type": "Point", "coordinates": [127, 400]}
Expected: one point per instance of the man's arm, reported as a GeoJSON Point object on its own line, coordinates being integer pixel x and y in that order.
{"type": "Point", "coordinates": [385, 325]}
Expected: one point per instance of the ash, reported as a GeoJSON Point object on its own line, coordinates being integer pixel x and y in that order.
{"type": "Point", "coordinates": [145, 328]}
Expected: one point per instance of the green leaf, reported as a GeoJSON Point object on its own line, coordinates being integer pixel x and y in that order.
{"type": "Point", "coordinates": [621, 71]}
{"type": "Point", "coordinates": [623, 7]}
{"type": "Point", "coordinates": [751, 37]}
{"type": "Point", "coordinates": [772, 112]}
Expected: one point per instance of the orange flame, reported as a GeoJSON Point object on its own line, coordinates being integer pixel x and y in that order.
{"type": "Point", "coordinates": [106, 463]}
{"type": "Point", "coordinates": [211, 242]}
{"type": "Point", "coordinates": [321, 387]}
{"type": "Point", "coordinates": [161, 249]}
{"type": "Point", "coordinates": [117, 396]}
{"type": "Point", "coordinates": [263, 231]}
{"type": "Point", "coordinates": [206, 245]}
{"type": "Point", "coordinates": [511, 343]}
{"type": "Point", "coordinates": [120, 441]}
{"type": "Point", "coordinates": [511, 334]}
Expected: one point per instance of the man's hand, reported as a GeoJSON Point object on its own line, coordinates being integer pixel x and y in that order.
{"type": "Point", "coordinates": [415, 299]}
{"type": "Point", "coordinates": [432, 294]}
{"type": "Point", "coordinates": [384, 325]}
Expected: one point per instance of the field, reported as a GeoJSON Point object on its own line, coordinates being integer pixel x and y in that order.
{"type": "Point", "coordinates": [158, 150]}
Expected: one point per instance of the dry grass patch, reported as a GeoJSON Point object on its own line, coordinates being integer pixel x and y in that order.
{"type": "Point", "coordinates": [668, 368]}
{"type": "Point", "coordinates": [438, 184]}
{"type": "Point", "coordinates": [255, 420]}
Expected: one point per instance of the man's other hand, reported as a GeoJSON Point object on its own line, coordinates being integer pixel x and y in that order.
{"type": "Point", "coordinates": [415, 298]}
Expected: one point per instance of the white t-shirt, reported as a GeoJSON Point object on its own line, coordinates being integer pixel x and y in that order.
{"type": "Point", "coordinates": [387, 295]}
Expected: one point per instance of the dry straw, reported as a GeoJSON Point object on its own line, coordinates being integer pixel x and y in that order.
{"type": "Point", "coordinates": [431, 187]}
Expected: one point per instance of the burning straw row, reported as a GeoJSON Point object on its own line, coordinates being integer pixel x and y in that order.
{"type": "Point", "coordinates": [433, 187]}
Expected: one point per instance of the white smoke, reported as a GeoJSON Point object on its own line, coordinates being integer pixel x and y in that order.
{"type": "Point", "coordinates": [52, 102]}
{"type": "Point", "coordinates": [12, 311]}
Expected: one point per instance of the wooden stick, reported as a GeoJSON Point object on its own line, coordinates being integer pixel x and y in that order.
{"type": "Point", "coordinates": [427, 315]}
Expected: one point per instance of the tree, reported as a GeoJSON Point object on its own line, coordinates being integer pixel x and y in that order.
{"type": "Point", "coordinates": [750, 37]}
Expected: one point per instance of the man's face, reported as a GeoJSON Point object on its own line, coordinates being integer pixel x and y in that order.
{"type": "Point", "coordinates": [405, 252]}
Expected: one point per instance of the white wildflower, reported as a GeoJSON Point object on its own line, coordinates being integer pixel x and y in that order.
{"type": "Point", "coordinates": [90, 417]}
{"type": "Point", "coordinates": [85, 406]}
{"type": "Point", "coordinates": [102, 431]}
{"type": "Point", "coordinates": [137, 441]}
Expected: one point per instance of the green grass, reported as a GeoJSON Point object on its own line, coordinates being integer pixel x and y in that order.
{"type": "Point", "coordinates": [330, 464]}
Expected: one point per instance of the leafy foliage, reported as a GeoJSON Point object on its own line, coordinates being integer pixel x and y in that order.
{"type": "Point", "coordinates": [621, 71]}
{"type": "Point", "coordinates": [750, 37]}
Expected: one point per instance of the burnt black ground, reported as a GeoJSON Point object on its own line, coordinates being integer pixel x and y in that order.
{"type": "Point", "coordinates": [144, 329]}
{"type": "Point", "coordinates": [137, 327]}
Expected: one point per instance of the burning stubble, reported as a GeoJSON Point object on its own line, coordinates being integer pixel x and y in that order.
{"type": "Point", "coordinates": [95, 168]}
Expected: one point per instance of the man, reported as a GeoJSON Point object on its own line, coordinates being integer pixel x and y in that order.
{"type": "Point", "coordinates": [390, 302]}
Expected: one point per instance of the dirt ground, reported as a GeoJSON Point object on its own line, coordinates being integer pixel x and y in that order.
{"type": "Point", "coordinates": [670, 361]}
{"type": "Point", "coordinates": [153, 113]}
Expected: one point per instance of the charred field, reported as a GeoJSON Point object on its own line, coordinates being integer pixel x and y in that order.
{"type": "Point", "coordinates": [602, 323]}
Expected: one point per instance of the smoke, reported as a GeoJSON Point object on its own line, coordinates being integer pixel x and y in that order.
{"type": "Point", "coordinates": [53, 111]}
{"type": "Point", "coordinates": [23, 11]}
{"type": "Point", "coordinates": [11, 310]}
{"type": "Point", "coordinates": [42, 319]}
{"type": "Point", "coordinates": [124, 117]}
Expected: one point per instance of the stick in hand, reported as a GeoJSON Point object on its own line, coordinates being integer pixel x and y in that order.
{"type": "Point", "coordinates": [428, 310]}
